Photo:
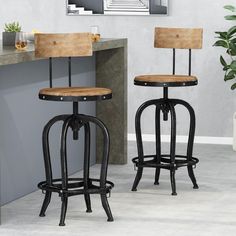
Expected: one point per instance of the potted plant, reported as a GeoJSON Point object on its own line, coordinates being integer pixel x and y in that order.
{"type": "Point", "coordinates": [9, 34]}
{"type": "Point", "coordinates": [227, 40]}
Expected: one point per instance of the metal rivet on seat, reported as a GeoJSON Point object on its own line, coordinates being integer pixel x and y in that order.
{"type": "Point", "coordinates": [104, 97]}
{"type": "Point", "coordinates": [85, 98]}
{"type": "Point", "coordinates": [165, 84]}
{"type": "Point", "coordinates": [184, 84]}
{"type": "Point", "coordinates": [43, 97]}
{"type": "Point", "coordinates": [145, 83]}
{"type": "Point", "coordinates": [61, 98]}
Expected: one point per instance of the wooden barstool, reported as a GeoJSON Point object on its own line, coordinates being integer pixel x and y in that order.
{"type": "Point", "coordinates": [72, 45]}
{"type": "Point", "coordinates": [175, 38]}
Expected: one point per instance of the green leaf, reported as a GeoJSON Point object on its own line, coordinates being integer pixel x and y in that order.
{"type": "Point", "coordinates": [230, 75]}
{"type": "Point", "coordinates": [223, 35]}
{"type": "Point", "coordinates": [230, 8]}
{"type": "Point", "coordinates": [230, 17]}
{"type": "Point", "coordinates": [232, 31]}
{"type": "Point", "coordinates": [222, 61]}
{"type": "Point", "coordinates": [233, 65]}
{"type": "Point", "coordinates": [221, 43]}
{"type": "Point", "coordinates": [232, 49]}
{"type": "Point", "coordinates": [233, 86]}
{"type": "Point", "coordinates": [12, 27]}
{"type": "Point", "coordinates": [226, 68]}
{"type": "Point", "coordinates": [233, 40]}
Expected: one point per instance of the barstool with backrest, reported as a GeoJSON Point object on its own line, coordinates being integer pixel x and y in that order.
{"type": "Point", "coordinates": [68, 46]}
{"type": "Point", "coordinates": [175, 38]}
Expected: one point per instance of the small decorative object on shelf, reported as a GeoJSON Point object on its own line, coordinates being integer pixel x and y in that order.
{"type": "Point", "coordinates": [9, 34]}
{"type": "Point", "coordinates": [21, 41]}
{"type": "Point", "coordinates": [95, 33]}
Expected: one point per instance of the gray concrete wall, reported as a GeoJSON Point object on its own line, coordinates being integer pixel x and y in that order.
{"type": "Point", "coordinates": [23, 117]}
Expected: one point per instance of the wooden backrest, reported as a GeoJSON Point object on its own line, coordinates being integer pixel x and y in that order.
{"type": "Point", "coordinates": [182, 38]}
{"type": "Point", "coordinates": [63, 45]}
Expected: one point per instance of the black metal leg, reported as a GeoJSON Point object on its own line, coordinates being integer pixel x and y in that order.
{"type": "Point", "coordinates": [172, 180]}
{"type": "Point", "coordinates": [104, 164]}
{"type": "Point", "coordinates": [86, 165]}
{"type": "Point", "coordinates": [172, 148]}
{"type": "Point", "coordinates": [158, 143]}
{"type": "Point", "coordinates": [47, 160]}
{"type": "Point", "coordinates": [190, 139]}
{"type": "Point", "coordinates": [106, 207]}
{"type": "Point", "coordinates": [139, 141]}
{"type": "Point", "coordinates": [46, 202]}
{"type": "Point", "coordinates": [137, 178]}
{"type": "Point", "coordinates": [192, 177]}
{"type": "Point", "coordinates": [64, 202]}
{"type": "Point", "coordinates": [139, 146]}
{"type": "Point", "coordinates": [88, 203]}
{"type": "Point", "coordinates": [64, 170]}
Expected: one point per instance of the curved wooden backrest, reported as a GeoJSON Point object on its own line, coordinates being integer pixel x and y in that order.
{"type": "Point", "coordinates": [63, 45]}
{"type": "Point", "coordinates": [182, 38]}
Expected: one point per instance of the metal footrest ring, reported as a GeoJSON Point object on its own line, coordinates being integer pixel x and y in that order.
{"type": "Point", "coordinates": [165, 161]}
{"type": "Point", "coordinates": [76, 187]}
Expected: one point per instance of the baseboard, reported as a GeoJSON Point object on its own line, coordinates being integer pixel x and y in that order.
{"type": "Point", "coordinates": [183, 139]}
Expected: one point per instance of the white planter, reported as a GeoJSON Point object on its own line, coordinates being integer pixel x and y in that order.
{"type": "Point", "coordinates": [234, 139]}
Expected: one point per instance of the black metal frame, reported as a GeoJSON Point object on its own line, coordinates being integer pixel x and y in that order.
{"type": "Point", "coordinates": [169, 161]}
{"type": "Point", "coordinates": [159, 160]}
{"type": "Point", "coordinates": [74, 98]}
{"type": "Point", "coordinates": [50, 71]}
{"type": "Point", "coordinates": [166, 84]}
{"type": "Point", "coordinates": [65, 186]}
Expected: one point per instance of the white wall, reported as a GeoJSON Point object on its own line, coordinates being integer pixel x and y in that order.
{"type": "Point", "coordinates": [212, 99]}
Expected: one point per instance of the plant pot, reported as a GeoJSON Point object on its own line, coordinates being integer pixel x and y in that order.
{"type": "Point", "coordinates": [8, 38]}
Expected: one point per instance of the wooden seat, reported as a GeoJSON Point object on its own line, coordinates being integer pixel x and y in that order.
{"type": "Point", "coordinates": [75, 93]}
{"type": "Point", "coordinates": [165, 80]}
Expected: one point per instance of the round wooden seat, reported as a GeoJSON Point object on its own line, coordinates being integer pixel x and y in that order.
{"type": "Point", "coordinates": [165, 80]}
{"type": "Point", "coordinates": [75, 94]}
